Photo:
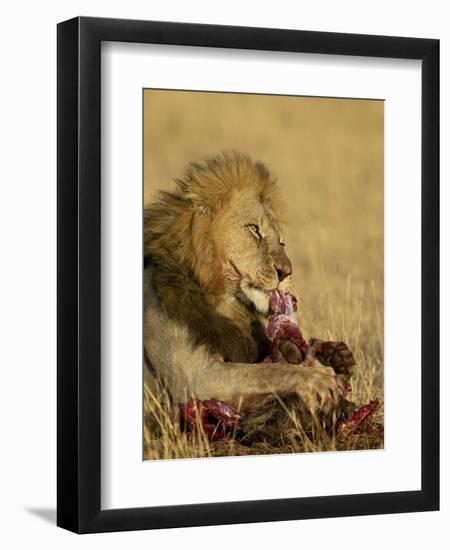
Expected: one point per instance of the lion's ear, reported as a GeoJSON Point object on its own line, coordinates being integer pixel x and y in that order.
{"type": "Point", "coordinates": [207, 194]}
{"type": "Point", "coordinates": [201, 204]}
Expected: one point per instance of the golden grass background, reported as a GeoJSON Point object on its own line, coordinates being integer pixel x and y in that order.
{"type": "Point", "coordinates": [327, 155]}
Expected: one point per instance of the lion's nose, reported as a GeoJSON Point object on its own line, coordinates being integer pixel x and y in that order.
{"type": "Point", "coordinates": [283, 269]}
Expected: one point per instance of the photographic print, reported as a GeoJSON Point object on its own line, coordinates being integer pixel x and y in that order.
{"type": "Point", "coordinates": [263, 252]}
{"type": "Point", "coordinates": [227, 257]}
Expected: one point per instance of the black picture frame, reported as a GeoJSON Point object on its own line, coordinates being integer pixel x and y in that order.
{"type": "Point", "coordinates": [79, 280]}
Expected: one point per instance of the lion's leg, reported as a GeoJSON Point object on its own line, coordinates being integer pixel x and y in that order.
{"type": "Point", "coordinates": [247, 386]}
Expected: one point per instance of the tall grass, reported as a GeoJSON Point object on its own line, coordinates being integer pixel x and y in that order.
{"type": "Point", "coordinates": [328, 157]}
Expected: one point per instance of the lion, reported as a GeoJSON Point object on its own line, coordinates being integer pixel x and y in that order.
{"type": "Point", "coordinates": [213, 252]}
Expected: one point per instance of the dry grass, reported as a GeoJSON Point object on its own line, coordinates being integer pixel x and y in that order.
{"type": "Point", "coordinates": [328, 157]}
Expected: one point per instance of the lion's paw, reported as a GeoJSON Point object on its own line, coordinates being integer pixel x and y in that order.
{"type": "Point", "coordinates": [333, 354]}
{"type": "Point", "coordinates": [319, 389]}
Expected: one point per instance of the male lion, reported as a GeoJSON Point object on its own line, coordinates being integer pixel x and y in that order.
{"type": "Point", "coordinates": [214, 251]}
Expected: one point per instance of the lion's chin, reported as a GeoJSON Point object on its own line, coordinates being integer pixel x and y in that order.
{"type": "Point", "coordinates": [258, 297]}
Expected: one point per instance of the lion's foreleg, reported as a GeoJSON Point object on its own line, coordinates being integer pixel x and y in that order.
{"type": "Point", "coordinates": [246, 386]}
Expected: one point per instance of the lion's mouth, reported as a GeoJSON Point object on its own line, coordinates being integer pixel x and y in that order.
{"type": "Point", "coordinates": [252, 292]}
{"type": "Point", "coordinates": [250, 282]}
{"type": "Point", "coordinates": [256, 286]}
{"type": "Point", "coordinates": [256, 295]}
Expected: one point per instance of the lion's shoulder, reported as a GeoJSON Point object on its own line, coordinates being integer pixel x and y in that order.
{"type": "Point", "coordinates": [176, 297]}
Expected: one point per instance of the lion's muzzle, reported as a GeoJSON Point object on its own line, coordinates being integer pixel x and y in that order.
{"type": "Point", "coordinates": [282, 266]}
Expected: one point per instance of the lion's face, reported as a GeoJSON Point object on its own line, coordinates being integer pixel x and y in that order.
{"type": "Point", "coordinates": [252, 248]}
{"type": "Point", "coordinates": [222, 223]}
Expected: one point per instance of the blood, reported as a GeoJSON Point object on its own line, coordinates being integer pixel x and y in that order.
{"type": "Point", "coordinates": [361, 421]}
{"type": "Point", "coordinates": [217, 418]}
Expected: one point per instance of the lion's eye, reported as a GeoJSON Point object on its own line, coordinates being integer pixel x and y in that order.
{"type": "Point", "coordinates": [255, 230]}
